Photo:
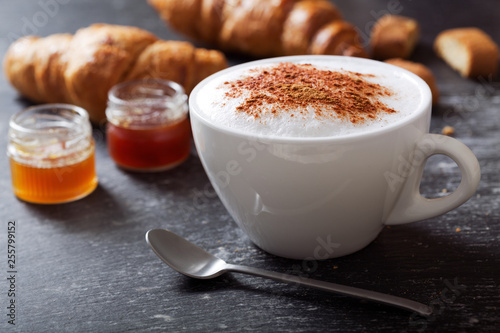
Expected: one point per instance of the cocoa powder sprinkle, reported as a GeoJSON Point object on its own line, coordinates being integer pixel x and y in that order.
{"type": "Point", "coordinates": [288, 88]}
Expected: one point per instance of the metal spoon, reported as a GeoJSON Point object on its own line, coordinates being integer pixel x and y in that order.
{"type": "Point", "coordinates": [193, 261]}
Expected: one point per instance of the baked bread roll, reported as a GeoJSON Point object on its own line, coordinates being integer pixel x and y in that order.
{"type": "Point", "coordinates": [80, 69]}
{"type": "Point", "coordinates": [422, 71]}
{"type": "Point", "coordinates": [263, 28]}
{"type": "Point", "coordinates": [394, 36]}
{"type": "Point", "coordinates": [470, 51]}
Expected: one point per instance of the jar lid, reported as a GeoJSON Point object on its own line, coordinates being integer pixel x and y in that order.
{"type": "Point", "coordinates": [145, 103]}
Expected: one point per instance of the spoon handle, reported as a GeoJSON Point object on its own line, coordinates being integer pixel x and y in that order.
{"type": "Point", "coordinates": [336, 288]}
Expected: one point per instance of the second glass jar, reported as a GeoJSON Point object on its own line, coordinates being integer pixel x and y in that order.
{"type": "Point", "coordinates": [51, 152]}
{"type": "Point", "coordinates": [148, 127]}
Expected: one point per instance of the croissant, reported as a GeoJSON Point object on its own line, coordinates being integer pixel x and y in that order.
{"type": "Point", "coordinates": [264, 27]}
{"type": "Point", "coordinates": [81, 68]}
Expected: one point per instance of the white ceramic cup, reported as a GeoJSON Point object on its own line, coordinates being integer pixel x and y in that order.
{"type": "Point", "coordinates": [318, 198]}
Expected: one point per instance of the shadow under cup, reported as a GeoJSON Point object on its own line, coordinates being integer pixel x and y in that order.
{"type": "Point", "coordinates": [323, 197]}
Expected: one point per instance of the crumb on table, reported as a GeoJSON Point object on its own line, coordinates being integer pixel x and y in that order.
{"type": "Point", "coordinates": [448, 130]}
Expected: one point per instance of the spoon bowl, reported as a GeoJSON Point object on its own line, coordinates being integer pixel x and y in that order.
{"type": "Point", "coordinates": [184, 256]}
{"type": "Point", "coordinates": [191, 260]}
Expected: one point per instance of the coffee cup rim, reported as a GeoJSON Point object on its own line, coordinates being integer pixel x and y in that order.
{"type": "Point", "coordinates": [425, 102]}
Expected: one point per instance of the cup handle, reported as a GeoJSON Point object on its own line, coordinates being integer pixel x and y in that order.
{"type": "Point", "coordinates": [411, 206]}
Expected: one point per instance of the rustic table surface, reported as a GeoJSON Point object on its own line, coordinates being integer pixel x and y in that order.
{"type": "Point", "coordinates": [85, 266]}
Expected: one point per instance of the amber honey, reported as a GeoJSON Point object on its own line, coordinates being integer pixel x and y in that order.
{"type": "Point", "coordinates": [148, 128]}
{"type": "Point", "coordinates": [52, 154]}
{"type": "Point", "coordinates": [154, 148]}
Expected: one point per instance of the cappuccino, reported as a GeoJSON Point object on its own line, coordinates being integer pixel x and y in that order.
{"type": "Point", "coordinates": [309, 150]}
{"type": "Point", "coordinates": [318, 98]}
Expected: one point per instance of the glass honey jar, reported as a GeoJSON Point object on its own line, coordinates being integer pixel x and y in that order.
{"type": "Point", "coordinates": [51, 152]}
{"type": "Point", "coordinates": [148, 128]}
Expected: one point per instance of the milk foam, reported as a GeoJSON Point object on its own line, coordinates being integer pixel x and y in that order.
{"type": "Point", "coordinates": [215, 106]}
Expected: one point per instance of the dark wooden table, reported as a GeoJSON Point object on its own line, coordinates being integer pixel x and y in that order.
{"type": "Point", "coordinates": [85, 266]}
